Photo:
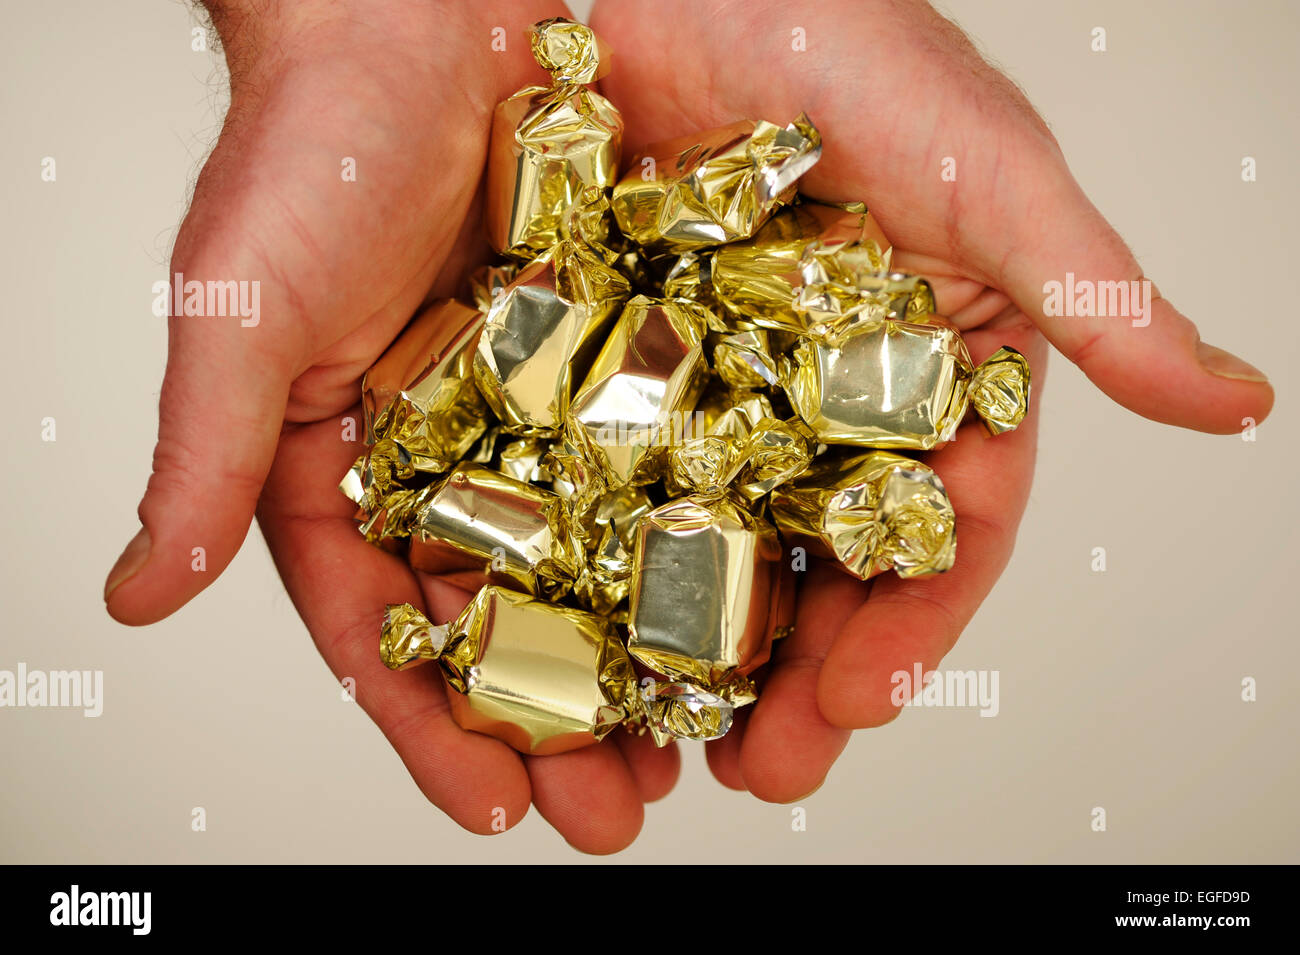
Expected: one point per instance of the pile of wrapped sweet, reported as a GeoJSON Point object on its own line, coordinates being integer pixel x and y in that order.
{"type": "Point", "coordinates": [673, 389]}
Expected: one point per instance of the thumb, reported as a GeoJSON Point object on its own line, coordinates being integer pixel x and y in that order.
{"type": "Point", "coordinates": [1072, 274]}
{"type": "Point", "coordinates": [220, 413]}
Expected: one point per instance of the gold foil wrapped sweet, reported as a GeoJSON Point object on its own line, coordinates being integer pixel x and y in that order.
{"type": "Point", "coordinates": [420, 396]}
{"type": "Point", "coordinates": [705, 584]}
{"type": "Point", "coordinates": [902, 385]}
{"type": "Point", "coordinates": [544, 678]}
{"type": "Point", "coordinates": [713, 187]}
{"type": "Point", "coordinates": [660, 396]}
{"type": "Point", "coordinates": [737, 445]}
{"type": "Point", "coordinates": [813, 269]}
{"type": "Point", "coordinates": [551, 144]}
{"type": "Point", "coordinates": [644, 380]}
{"type": "Point", "coordinates": [517, 533]}
{"type": "Point", "coordinates": [871, 512]}
{"type": "Point", "coordinates": [542, 330]}
{"type": "Point", "coordinates": [677, 710]}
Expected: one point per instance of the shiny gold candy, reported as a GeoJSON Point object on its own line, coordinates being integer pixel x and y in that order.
{"type": "Point", "coordinates": [540, 334]}
{"type": "Point", "coordinates": [713, 187]}
{"type": "Point", "coordinates": [550, 144]}
{"type": "Point", "coordinates": [409, 638]}
{"type": "Point", "coordinates": [999, 391]}
{"type": "Point", "coordinates": [872, 512]}
{"type": "Point", "coordinates": [641, 387]}
{"type": "Point", "coordinates": [519, 534]}
{"type": "Point", "coordinates": [420, 396]}
{"type": "Point", "coordinates": [541, 677]}
{"type": "Point", "coordinates": [737, 444]}
{"type": "Point", "coordinates": [900, 385]}
{"type": "Point", "coordinates": [745, 359]}
{"type": "Point", "coordinates": [802, 268]}
{"type": "Point", "coordinates": [631, 425]}
{"type": "Point", "coordinates": [704, 587]}
{"type": "Point", "coordinates": [678, 710]}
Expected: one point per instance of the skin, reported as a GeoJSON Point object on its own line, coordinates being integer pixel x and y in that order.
{"type": "Point", "coordinates": [250, 419]}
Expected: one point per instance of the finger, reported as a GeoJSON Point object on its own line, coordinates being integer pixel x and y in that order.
{"type": "Point", "coordinates": [590, 796]}
{"type": "Point", "coordinates": [219, 415]}
{"type": "Point", "coordinates": [905, 622]}
{"type": "Point", "coordinates": [788, 746]}
{"type": "Point", "coordinates": [655, 769]}
{"type": "Point", "coordinates": [1066, 268]}
{"type": "Point", "coordinates": [723, 755]}
{"type": "Point", "coordinates": [340, 585]}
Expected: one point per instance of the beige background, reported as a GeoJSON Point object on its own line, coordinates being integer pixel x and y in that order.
{"type": "Point", "coordinates": [1119, 689]}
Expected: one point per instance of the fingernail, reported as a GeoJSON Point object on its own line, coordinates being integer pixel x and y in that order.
{"type": "Point", "coordinates": [132, 559]}
{"type": "Point", "coordinates": [1227, 365]}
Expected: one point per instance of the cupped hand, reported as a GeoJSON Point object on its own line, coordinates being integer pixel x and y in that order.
{"type": "Point", "coordinates": [896, 91]}
{"type": "Point", "coordinates": [252, 417]}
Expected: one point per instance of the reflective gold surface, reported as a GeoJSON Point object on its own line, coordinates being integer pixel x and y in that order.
{"type": "Point", "coordinates": [745, 359]}
{"type": "Point", "coordinates": [801, 268]}
{"type": "Point", "coordinates": [685, 711]}
{"type": "Point", "coordinates": [902, 385]}
{"type": "Point", "coordinates": [702, 591]}
{"type": "Point", "coordinates": [713, 187]}
{"type": "Point", "coordinates": [543, 678]}
{"type": "Point", "coordinates": [550, 144]}
{"type": "Point", "coordinates": [541, 333]}
{"type": "Point", "coordinates": [519, 533]}
{"type": "Point", "coordinates": [644, 381]}
{"type": "Point", "coordinates": [421, 394]}
{"type": "Point", "coordinates": [640, 426]}
{"type": "Point", "coordinates": [886, 385]}
{"type": "Point", "coordinates": [872, 512]}
{"type": "Point", "coordinates": [999, 391]}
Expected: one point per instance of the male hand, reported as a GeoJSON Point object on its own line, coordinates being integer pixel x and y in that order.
{"type": "Point", "coordinates": [251, 417]}
{"type": "Point", "coordinates": [894, 88]}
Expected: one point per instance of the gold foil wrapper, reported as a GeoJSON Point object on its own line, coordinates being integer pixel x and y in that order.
{"type": "Point", "coordinates": [736, 445]}
{"type": "Point", "coordinates": [522, 458]}
{"type": "Point", "coordinates": [541, 333]}
{"type": "Point", "coordinates": [678, 710]}
{"type": "Point", "coordinates": [642, 385]}
{"type": "Point", "coordinates": [629, 425]}
{"type": "Point", "coordinates": [423, 410]}
{"type": "Point", "coordinates": [705, 589]}
{"type": "Point", "coordinates": [745, 359]}
{"type": "Point", "coordinates": [541, 677]}
{"type": "Point", "coordinates": [409, 638]}
{"type": "Point", "coordinates": [872, 512]}
{"type": "Point", "coordinates": [550, 144]}
{"type": "Point", "coordinates": [811, 265]}
{"type": "Point", "coordinates": [520, 534]}
{"type": "Point", "coordinates": [714, 187]}
{"type": "Point", "coordinates": [999, 390]}
{"type": "Point", "coordinates": [900, 385]}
